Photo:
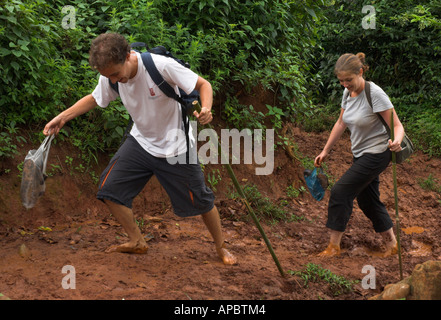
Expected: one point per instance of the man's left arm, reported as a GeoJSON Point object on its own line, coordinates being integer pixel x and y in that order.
{"type": "Point", "coordinates": [206, 93]}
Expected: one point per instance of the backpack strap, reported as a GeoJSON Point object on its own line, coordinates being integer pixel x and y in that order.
{"type": "Point", "coordinates": [367, 90]}
{"type": "Point", "coordinates": [168, 91]}
{"type": "Point", "coordinates": [158, 79]}
{"type": "Point", "coordinates": [138, 44]}
{"type": "Point", "coordinates": [114, 86]}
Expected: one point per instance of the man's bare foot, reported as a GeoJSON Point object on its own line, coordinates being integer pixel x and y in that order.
{"type": "Point", "coordinates": [129, 247]}
{"type": "Point", "coordinates": [227, 257]}
{"type": "Point", "coordinates": [331, 251]}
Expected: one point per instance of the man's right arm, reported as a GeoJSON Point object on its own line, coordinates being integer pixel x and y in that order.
{"type": "Point", "coordinates": [82, 106]}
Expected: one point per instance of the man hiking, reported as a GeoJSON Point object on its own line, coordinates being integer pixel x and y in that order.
{"type": "Point", "coordinates": [148, 148]}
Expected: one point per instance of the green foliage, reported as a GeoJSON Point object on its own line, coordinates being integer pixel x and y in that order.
{"type": "Point", "coordinates": [8, 140]}
{"type": "Point", "coordinates": [235, 44]}
{"type": "Point", "coordinates": [214, 178]}
{"type": "Point", "coordinates": [25, 42]}
{"type": "Point", "coordinates": [426, 129]}
{"type": "Point", "coordinates": [430, 184]}
{"type": "Point", "coordinates": [398, 51]}
{"type": "Point", "coordinates": [242, 116]}
{"type": "Point", "coordinates": [277, 115]}
{"type": "Point", "coordinates": [292, 192]}
{"type": "Point", "coordinates": [251, 43]}
{"type": "Point", "coordinates": [320, 118]}
{"type": "Point", "coordinates": [316, 273]}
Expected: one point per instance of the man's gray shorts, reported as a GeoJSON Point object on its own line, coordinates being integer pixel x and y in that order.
{"type": "Point", "coordinates": [131, 168]}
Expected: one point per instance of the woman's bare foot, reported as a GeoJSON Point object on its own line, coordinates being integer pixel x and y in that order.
{"type": "Point", "coordinates": [139, 248]}
{"type": "Point", "coordinates": [333, 248]}
{"type": "Point", "coordinates": [227, 257]}
{"type": "Point", "coordinates": [331, 251]}
{"type": "Point", "coordinates": [390, 243]}
{"type": "Point", "coordinates": [390, 250]}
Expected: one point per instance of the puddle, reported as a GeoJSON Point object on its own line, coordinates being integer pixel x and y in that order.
{"type": "Point", "coordinates": [374, 253]}
{"type": "Point", "coordinates": [420, 249]}
{"type": "Point", "coordinates": [362, 251]}
{"type": "Point", "coordinates": [411, 230]}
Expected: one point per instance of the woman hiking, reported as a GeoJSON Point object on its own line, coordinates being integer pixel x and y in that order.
{"type": "Point", "coordinates": [372, 151]}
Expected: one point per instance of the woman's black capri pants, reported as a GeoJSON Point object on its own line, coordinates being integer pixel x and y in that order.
{"type": "Point", "coordinates": [360, 182]}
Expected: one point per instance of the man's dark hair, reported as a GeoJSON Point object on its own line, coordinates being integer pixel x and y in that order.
{"type": "Point", "coordinates": [108, 49]}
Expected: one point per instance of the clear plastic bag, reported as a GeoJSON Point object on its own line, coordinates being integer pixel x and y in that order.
{"type": "Point", "coordinates": [34, 174]}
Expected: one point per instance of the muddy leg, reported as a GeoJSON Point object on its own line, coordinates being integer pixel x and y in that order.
{"type": "Point", "coordinates": [212, 221]}
{"type": "Point", "coordinates": [333, 248]}
{"type": "Point", "coordinates": [125, 216]}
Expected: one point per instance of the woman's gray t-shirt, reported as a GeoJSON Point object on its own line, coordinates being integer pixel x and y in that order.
{"type": "Point", "coordinates": [368, 134]}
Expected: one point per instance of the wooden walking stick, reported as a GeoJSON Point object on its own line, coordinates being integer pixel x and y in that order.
{"type": "Point", "coordinates": [239, 189]}
{"type": "Point", "coordinates": [394, 173]}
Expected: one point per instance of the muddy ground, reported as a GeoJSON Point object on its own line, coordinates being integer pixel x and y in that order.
{"type": "Point", "coordinates": [69, 227]}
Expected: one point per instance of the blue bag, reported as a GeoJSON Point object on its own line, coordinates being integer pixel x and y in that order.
{"type": "Point", "coordinates": [316, 183]}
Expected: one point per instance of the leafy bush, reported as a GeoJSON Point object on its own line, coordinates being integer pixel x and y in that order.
{"type": "Point", "coordinates": [427, 129]}
{"type": "Point", "coordinates": [235, 44]}
{"type": "Point", "coordinates": [26, 43]}
{"type": "Point", "coordinates": [242, 116]}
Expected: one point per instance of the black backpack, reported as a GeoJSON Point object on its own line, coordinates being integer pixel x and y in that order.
{"type": "Point", "coordinates": [184, 99]}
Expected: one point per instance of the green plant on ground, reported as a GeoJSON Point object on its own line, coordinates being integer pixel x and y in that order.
{"type": "Point", "coordinates": [276, 114]}
{"type": "Point", "coordinates": [430, 184]}
{"type": "Point", "coordinates": [264, 207]}
{"type": "Point", "coordinates": [292, 192]}
{"type": "Point", "coordinates": [213, 178]}
{"type": "Point", "coordinates": [316, 273]}
{"type": "Point", "coordinates": [10, 139]}
{"type": "Point", "coordinates": [425, 130]}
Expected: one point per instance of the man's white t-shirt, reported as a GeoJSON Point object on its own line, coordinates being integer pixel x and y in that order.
{"type": "Point", "coordinates": [368, 134]}
{"type": "Point", "coordinates": [157, 119]}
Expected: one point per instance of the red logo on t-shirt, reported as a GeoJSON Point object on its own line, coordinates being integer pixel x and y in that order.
{"type": "Point", "coordinates": [152, 92]}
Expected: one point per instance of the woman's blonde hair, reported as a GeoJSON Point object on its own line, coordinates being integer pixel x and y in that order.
{"type": "Point", "coordinates": [352, 63]}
